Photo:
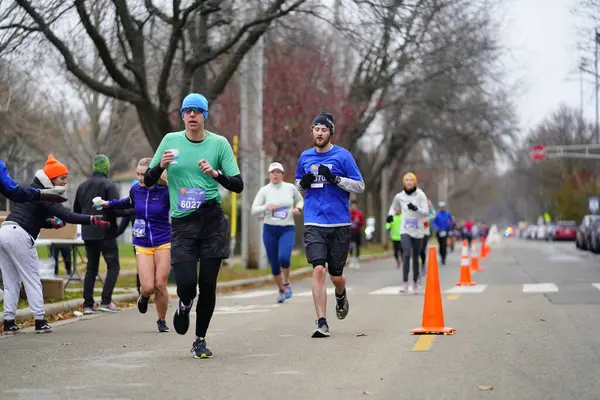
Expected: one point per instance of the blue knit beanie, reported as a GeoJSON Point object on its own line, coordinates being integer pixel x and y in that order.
{"type": "Point", "coordinates": [195, 100]}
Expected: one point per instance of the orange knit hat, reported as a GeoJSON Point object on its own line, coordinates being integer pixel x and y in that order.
{"type": "Point", "coordinates": [54, 169]}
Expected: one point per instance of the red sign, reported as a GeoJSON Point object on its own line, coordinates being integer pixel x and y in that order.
{"type": "Point", "coordinates": [538, 152]}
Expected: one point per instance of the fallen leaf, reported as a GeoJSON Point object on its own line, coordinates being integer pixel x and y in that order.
{"type": "Point", "coordinates": [361, 334]}
{"type": "Point", "coordinates": [365, 392]}
{"type": "Point", "coordinates": [509, 301]}
{"type": "Point", "coordinates": [508, 333]}
{"type": "Point", "coordinates": [542, 319]}
{"type": "Point", "coordinates": [485, 388]}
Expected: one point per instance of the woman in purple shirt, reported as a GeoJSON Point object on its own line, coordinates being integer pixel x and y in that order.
{"type": "Point", "coordinates": [151, 238]}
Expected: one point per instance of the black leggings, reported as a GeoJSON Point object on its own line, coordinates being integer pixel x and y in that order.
{"type": "Point", "coordinates": [411, 245]}
{"type": "Point", "coordinates": [398, 253]}
{"type": "Point", "coordinates": [186, 276]}
{"type": "Point", "coordinates": [423, 253]}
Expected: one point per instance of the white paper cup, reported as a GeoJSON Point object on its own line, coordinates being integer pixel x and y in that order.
{"type": "Point", "coordinates": [175, 155]}
{"type": "Point", "coordinates": [97, 202]}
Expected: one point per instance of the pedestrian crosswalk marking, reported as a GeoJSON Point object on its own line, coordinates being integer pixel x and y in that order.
{"type": "Point", "coordinates": [252, 294]}
{"type": "Point", "coordinates": [539, 288]}
{"type": "Point", "coordinates": [467, 289]}
{"type": "Point", "coordinates": [308, 293]}
{"type": "Point", "coordinates": [390, 290]}
{"type": "Point", "coordinates": [395, 290]}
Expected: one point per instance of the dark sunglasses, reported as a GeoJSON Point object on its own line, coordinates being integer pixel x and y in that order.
{"type": "Point", "coordinates": [195, 110]}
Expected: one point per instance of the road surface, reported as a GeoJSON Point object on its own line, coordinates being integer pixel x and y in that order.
{"type": "Point", "coordinates": [529, 330]}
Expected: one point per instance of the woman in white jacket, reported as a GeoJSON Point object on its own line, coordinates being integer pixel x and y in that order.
{"type": "Point", "coordinates": [277, 203]}
{"type": "Point", "coordinates": [412, 202]}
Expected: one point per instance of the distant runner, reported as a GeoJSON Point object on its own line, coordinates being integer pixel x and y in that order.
{"type": "Point", "coordinates": [277, 203]}
{"type": "Point", "coordinates": [412, 202]}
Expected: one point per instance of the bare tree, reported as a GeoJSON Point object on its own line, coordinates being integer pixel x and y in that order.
{"type": "Point", "coordinates": [201, 46]}
{"type": "Point", "coordinates": [534, 187]}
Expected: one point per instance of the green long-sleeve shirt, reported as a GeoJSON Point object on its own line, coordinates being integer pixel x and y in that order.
{"type": "Point", "coordinates": [394, 227]}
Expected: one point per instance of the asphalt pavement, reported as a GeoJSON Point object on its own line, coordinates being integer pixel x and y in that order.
{"type": "Point", "coordinates": [527, 330]}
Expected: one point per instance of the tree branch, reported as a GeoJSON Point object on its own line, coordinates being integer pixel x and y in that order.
{"type": "Point", "coordinates": [71, 64]}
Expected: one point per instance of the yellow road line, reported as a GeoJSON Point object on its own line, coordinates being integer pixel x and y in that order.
{"type": "Point", "coordinates": [453, 296]}
{"type": "Point", "coordinates": [424, 343]}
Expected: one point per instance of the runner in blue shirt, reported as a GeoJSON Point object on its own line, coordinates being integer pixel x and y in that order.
{"type": "Point", "coordinates": [327, 173]}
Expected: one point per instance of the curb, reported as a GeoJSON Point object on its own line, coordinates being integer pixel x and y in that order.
{"type": "Point", "coordinates": [68, 305]}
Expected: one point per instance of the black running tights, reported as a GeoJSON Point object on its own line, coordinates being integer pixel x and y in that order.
{"type": "Point", "coordinates": [410, 245]}
{"type": "Point", "coordinates": [186, 275]}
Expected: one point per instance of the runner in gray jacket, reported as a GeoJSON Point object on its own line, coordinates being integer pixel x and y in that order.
{"type": "Point", "coordinates": [412, 202]}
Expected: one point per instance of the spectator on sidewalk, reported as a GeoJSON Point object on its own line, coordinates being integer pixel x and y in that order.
{"type": "Point", "coordinates": [18, 256]}
{"type": "Point", "coordinates": [357, 224]}
{"type": "Point", "coordinates": [98, 242]}
{"type": "Point", "coordinates": [65, 252]}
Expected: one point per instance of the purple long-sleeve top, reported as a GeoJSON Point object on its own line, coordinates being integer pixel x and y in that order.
{"type": "Point", "coordinates": [151, 227]}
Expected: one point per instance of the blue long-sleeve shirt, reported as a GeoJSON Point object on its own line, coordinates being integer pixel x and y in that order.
{"type": "Point", "coordinates": [12, 191]}
{"type": "Point", "coordinates": [443, 220]}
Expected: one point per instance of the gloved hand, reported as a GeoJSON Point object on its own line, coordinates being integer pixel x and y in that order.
{"type": "Point", "coordinates": [327, 174]}
{"type": "Point", "coordinates": [57, 223]}
{"type": "Point", "coordinates": [99, 222]}
{"type": "Point", "coordinates": [55, 194]}
{"type": "Point", "coordinates": [307, 180]}
{"type": "Point", "coordinates": [390, 218]}
{"type": "Point", "coordinates": [412, 207]}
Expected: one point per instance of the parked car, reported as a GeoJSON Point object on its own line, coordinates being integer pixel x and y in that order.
{"type": "Point", "coordinates": [565, 230]}
{"type": "Point", "coordinates": [541, 232]}
{"type": "Point", "coordinates": [594, 240]}
{"type": "Point", "coordinates": [551, 231]}
{"type": "Point", "coordinates": [583, 234]}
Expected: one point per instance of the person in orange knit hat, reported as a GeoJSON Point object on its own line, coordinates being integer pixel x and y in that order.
{"type": "Point", "coordinates": [14, 192]}
{"type": "Point", "coordinates": [18, 256]}
{"type": "Point", "coordinates": [54, 169]}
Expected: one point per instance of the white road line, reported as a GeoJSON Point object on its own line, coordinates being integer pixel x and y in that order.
{"type": "Point", "coordinates": [467, 289]}
{"type": "Point", "coordinates": [539, 288]}
{"type": "Point", "coordinates": [251, 294]}
{"type": "Point", "coordinates": [390, 290]}
{"type": "Point", "coordinates": [596, 285]}
{"type": "Point", "coordinates": [308, 293]}
{"type": "Point", "coordinates": [241, 312]}
{"type": "Point", "coordinates": [565, 258]}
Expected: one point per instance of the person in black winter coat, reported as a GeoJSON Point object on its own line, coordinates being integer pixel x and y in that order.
{"type": "Point", "coordinates": [18, 255]}
{"type": "Point", "coordinates": [97, 241]}
{"type": "Point", "coordinates": [12, 191]}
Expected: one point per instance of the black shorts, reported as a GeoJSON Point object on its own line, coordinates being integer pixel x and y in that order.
{"type": "Point", "coordinates": [329, 245]}
{"type": "Point", "coordinates": [202, 234]}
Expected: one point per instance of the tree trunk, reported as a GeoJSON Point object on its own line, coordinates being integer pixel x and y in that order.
{"type": "Point", "coordinates": [155, 124]}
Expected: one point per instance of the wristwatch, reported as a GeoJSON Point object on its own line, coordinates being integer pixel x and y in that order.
{"type": "Point", "coordinates": [337, 180]}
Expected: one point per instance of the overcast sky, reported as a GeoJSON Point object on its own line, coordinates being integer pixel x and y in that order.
{"type": "Point", "coordinates": [541, 37]}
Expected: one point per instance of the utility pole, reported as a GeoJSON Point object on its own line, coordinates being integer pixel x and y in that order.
{"type": "Point", "coordinates": [386, 200]}
{"type": "Point", "coordinates": [253, 170]}
{"type": "Point", "coordinates": [581, 67]}
{"type": "Point", "coordinates": [596, 42]}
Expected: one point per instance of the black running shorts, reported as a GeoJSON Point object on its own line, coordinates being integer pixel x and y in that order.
{"type": "Point", "coordinates": [202, 234]}
{"type": "Point", "coordinates": [330, 244]}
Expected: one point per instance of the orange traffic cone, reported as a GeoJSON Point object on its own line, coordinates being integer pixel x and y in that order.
{"type": "Point", "coordinates": [482, 256]}
{"type": "Point", "coordinates": [488, 249]}
{"type": "Point", "coordinates": [433, 313]}
{"type": "Point", "coordinates": [465, 268]}
{"type": "Point", "coordinates": [475, 260]}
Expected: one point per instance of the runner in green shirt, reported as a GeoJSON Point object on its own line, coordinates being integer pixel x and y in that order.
{"type": "Point", "coordinates": [197, 161]}
{"type": "Point", "coordinates": [394, 230]}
